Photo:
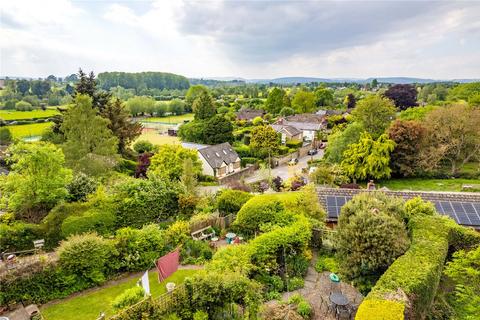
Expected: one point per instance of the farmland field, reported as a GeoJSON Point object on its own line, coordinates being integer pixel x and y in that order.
{"type": "Point", "coordinates": [428, 184]}
{"type": "Point", "coordinates": [158, 139]}
{"type": "Point", "coordinates": [170, 119]}
{"type": "Point", "coordinates": [22, 115]}
{"type": "Point", "coordinates": [28, 130]}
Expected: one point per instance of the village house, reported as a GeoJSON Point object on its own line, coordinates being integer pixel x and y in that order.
{"type": "Point", "coordinates": [219, 160]}
{"type": "Point", "coordinates": [307, 123]}
{"type": "Point", "coordinates": [248, 114]}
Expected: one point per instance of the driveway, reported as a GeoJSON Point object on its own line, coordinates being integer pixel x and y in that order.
{"type": "Point", "coordinates": [284, 171]}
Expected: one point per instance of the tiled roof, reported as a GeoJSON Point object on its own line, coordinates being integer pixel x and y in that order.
{"type": "Point", "coordinates": [218, 154]}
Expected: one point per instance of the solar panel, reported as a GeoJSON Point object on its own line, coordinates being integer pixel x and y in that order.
{"type": "Point", "coordinates": [464, 213]}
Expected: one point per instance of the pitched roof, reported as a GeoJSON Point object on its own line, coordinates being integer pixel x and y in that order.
{"type": "Point", "coordinates": [218, 154]}
{"type": "Point", "coordinates": [249, 114]}
{"type": "Point", "coordinates": [306, 117]}
{"type": "Point", "coordinates": [291, 131]}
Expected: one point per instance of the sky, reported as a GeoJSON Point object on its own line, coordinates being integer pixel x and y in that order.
{"type": "Point", "coordinates": [248, 39]}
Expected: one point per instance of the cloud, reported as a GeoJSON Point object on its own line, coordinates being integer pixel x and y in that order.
{"type": "Point", "coordinates": [251, 39]}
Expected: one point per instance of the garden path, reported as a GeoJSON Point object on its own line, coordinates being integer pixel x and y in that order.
{"type": "Point", "coordinates": [317, 290]}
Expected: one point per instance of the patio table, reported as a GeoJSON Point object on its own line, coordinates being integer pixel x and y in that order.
{"type": "Point", "coordinates": [338, 299]}
{"type": "Point", "coordinates": [230, 236]}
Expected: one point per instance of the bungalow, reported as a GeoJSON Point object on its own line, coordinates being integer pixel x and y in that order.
{"type": "Point", "coordinates": [249, 114]}
{"type": "Point", "coordinates": [288, 132]}
{"type": "Point", "coordinates": [308, 123]}
{"type": "Point", "coordinates": [219, 160]}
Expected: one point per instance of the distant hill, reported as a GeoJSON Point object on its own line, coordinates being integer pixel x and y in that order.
{"type": "Point", "coordinates": [395, 80]}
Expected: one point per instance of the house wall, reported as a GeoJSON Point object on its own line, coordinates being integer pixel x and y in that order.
{"type": "Point", "coordinates": [309, 135]}
{"type": "Point", "coordinates": [206, 168]}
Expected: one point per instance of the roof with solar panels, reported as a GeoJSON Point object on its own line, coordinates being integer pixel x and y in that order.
{"type": "Point", "coordinates": [463, 207]}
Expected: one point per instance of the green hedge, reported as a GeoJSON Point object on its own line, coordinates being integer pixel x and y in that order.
{"type": "Point", "coordinates": [417, 273]}
{"type": "Point", "coordinates": [380, 310]}
{"type": "Point", "coordinates": [248, 160]}
{"type": "Point", "coordinates": [294, 144]}
{"type": "Point", "coordinates": [230, 201]}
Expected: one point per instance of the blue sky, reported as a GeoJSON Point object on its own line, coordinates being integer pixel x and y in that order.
{"type": "Point", "coordinates": [250, 39]}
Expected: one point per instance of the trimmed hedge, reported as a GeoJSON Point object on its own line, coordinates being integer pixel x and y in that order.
{"type": "Point", "coordinates": [417, 273]}
{"type": "Point", "coordinates": [230, 201]}
{"type": "Point", "coordinates": [380, 310]}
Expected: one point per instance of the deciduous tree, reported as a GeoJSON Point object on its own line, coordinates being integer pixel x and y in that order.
{"type": "Point", "coordinates": [368, 158]}
{"type": "Point", "coordinates": [264, 140]}
{"type": "Point", "coordinates": [276, 100]}
{"type": "Point", "coordinates": [218, 130]}
{"type": "Point", "coordinates": [304, 102]}
{"type": "Point", "coordinates": [375, 114]}
{"type": "Point", "coordinates": [403, 95]}
{"type": "Point", "coordinates": [90, 146]}
{"type": "Point", "coordinates": [168, 161]}
{"type": "Point", "coordinates": [408, 137]}
{"type": "Point", "coordinates": [453, 136]}
{"type": "Point", "coordinates": [38, 180]}
{"type": "Point", "coordinates": [204, 106]}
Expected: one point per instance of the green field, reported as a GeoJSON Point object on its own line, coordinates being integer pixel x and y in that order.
{"type": "Point", "coordinates": [28, 130]}
{"type": "Point", "coordinates": [89, 305]}
{"type": "Point", "coordinates": [170, 119]}
{"type": "Point", "coordinates": [428, 184]}
{"type": "Point", "coordinates": [158, 139]}
{"type": "Point", "coordinates": [22, 115]}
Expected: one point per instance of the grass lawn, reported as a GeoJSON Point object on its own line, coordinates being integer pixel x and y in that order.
{"type": "Point", "coordinates": [170, 119]}
{"type": "Point", "coordinates": [28, 130]}
{"type": "Point", "coordinates": [158, 139]}
{"type": "Point", "coordinates": [89, 305]}
{"type": "Point", "coordinates": [21, 115]}
{"type": "Point", "coordinates": [427, 184]}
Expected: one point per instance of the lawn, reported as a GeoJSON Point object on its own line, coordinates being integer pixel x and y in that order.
{"type": "Point", "coordinates": [28, 130]}
{"type": "Point", "coordinates": [22, 115]}
{"type": "Point", "coordinates": [427, 184]}
{"type": "Point", "coordinates": [89, 305]}
{"type": "Point", "coordinates": [170, 119]}
{"type": "Point", "coordinates": [158, 139]}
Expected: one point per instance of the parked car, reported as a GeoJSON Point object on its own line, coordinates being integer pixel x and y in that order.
{"type": "Point", "coordinates": [323, 145]}
{"type": "Point", "coordinates": [312, 152]}
{"type": "Point", "coordinates": [293, 162]}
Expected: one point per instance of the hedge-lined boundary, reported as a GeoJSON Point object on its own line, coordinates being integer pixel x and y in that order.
{"type": "Point", "coordinates": [373, 309]}
{"type": "Point", "coordinates": [417, 273]}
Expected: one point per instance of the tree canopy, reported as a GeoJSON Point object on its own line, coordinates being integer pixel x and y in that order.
{"type": "Point", "coordinates": [375, 114]}
{"type": "Point", "coordinates": [204, 106]}
{"type": "Point", "coordinates": [168, 162]}
{"type": "Point", "coordinates": [90, 146]}
{"type": "Point", "coordinates": [403, 95]}
{"type": "Point", "coordinates": [304, 102]}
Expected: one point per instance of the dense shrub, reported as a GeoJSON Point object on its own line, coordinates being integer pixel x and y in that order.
{"type": "Point", "coordinates": [195, 252]}
{"type": "Point", "coordinates": [248, 160]}
{"type": "Point", "coordinates": [258, 211]}
{"type": "Point", "coordinates": [371, 235]}
{"type": "Point", "coordinates": [372, 309]}
{"type": "Point", "coordinates": [128, 298]}
{"type": "Point", "coordinates": [17, 236]}
{"type": "Point", "coordinates": [80, 187]}
{"type": "Point", "coordinates": [86, 257]}
{"type": "Point", "coordinates": [103, 222]}
{"type": "Point", "coordinates": [5, 135]}
{"type": "Point", "coordinates": [295, 283]}
{"type": "Point", "coordinates": [144, 201]}
{"type": "Point", "coordinates": [327, 262]}
{"type": "Point", "coordinates": [294, 144]}
{"type": "Point", "coordinates": [417, 206]}
{"type": "Point", "coordinates": [23, 106]}
{"type": "Point", "coordinates": [138, 248]}
{"type": "Point", "coordinates": [232, 259]}
{"type": "Point", "coordinates": [143, 146]}
{"type": "Point", "coordinates": [243, 151]}
{"type": "Point", "coordinates": [230, 201]}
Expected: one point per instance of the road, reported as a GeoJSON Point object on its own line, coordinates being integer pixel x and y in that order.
{"type": "Point", "coordinates": [284, 171]}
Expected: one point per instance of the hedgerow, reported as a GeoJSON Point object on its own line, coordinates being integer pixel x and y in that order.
{"type": "Point", "coordinates": [416, 274]}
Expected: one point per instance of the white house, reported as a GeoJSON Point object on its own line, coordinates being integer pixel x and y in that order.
{"type": "Point", "coordinates": [309, 124]}
{"type": "Point", "coordinates": [219, 160]}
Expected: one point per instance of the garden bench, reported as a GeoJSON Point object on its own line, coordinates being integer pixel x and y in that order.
{"type": "Point", "coordinates": [202, 234]}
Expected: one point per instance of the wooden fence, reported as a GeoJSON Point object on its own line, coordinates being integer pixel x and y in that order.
{"type": "Point", "coordinates": [214, 221]}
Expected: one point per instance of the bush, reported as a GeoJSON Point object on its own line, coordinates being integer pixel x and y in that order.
{"type": "Point", "coordinates": [256, 212]}
{"type": "Point", "coordinates": [295, 283]}
{"type": "Point", "coordinates": [195, 252]}
{"type": "Point", "coordinates": [23, 106]}
{"type": "Point", "coordinates": [143, 201]}
{"type": "Point", "coordinates": [200, 315]}
{"type": "Point", "coordinates": [294, 144]}
{"type": "Point", "coordinates": [126, 167]}
{"type": "Point", "coordinates": [271, 283]}
{"type": "Point", "coordinates": [232, 259]}
{"type": "Point", "coordinates": [230, 201]}
{"type": "Point", "coordinates": [327, 263]}
{"type": "Point", "coordinates": [5, 135]}
{"type": "Point", "coordinates": [128, 298]}
{"type": "Point", "coordinates": [143, 146]}
{"type": "Point", "coordinates": [247, 160]}
{"type": "Point", "coordinates": [138, 248]}
{"type": "Point", "coordinates": [370, 237]}
{"type": "Point", "coordinates": [283, 150]}
{"type": "Point", "coordinates": [103, 222]}
{"type": "Point", "coordinates": [304, 309]}
{"type": "Point", "coordinates": [417, 206]}
{"type": "Point", "coordinates": [243, 151]}
{"type": "Point", "coordinates": [18, 236]}
{"type": "Point", "coordinates": [80, 187]}
{"type": "Point", "coordinates": [86, 257]}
